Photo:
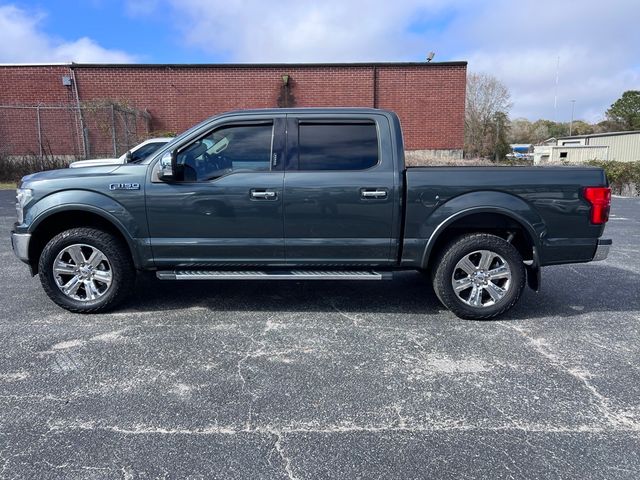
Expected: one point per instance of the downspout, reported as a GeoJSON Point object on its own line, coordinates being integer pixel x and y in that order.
{"type": "Point", "coordinates": [375, 87]}
{"type": "Point", "coordinates": [85, 147]}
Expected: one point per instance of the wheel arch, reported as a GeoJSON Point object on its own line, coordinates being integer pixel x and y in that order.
{"type": "Point", "coordinates": [57, 220]}
{"type": "Point", "coordinates": [489, 219]}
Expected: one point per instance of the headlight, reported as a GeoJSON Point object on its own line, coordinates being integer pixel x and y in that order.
{"type": "Point", "coordinates": [23, 196]}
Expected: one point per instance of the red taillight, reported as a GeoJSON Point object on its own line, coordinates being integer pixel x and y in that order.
{"type": "Point", "coordinates": [600, 200]}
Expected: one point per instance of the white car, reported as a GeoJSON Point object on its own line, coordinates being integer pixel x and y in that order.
{"type": "Point", "coordinates": [139, 152]}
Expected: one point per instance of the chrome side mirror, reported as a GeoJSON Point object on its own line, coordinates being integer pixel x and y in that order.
{"type": "Point", "coordinates": [167, 163]}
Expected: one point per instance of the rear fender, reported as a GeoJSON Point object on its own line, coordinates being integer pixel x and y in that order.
{"type": "Point", "coordinates": [482, 202]}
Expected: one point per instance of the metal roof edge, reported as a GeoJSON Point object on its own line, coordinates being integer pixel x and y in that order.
{"type": "Point", "coordinates": [35, 64]}
{"type": "Point", "coordinates": [242, 65]}
{"type": "Point", "coordinates": [605, 134]}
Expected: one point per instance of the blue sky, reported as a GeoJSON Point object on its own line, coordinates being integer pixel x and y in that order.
{"type": "Point", "coordinates": [111, 24]}
{"type": "Point", "coordinates": [519, 42]}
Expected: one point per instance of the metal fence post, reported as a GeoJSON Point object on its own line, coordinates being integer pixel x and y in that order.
{"type": "Point", "coordinates": [85, 139]}
{"type": "Point", "coordinates": [39, 130]}
{"type": "Point", "coordinates": [113, 131]}
{"type": "Point", "coordinates": [125, 122]}
{"type": "Point", "coordinates": [147, 120]}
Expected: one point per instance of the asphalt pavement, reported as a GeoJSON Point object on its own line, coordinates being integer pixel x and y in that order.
{"type": "Point", "coordinates": [312, 380]}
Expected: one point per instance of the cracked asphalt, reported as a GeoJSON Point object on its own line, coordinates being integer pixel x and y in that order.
{"type": "Point", "coordinates": [312, 380]}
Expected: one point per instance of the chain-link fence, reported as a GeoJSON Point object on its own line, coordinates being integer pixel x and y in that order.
{"type": "Point", "coordinates": [90, 131]}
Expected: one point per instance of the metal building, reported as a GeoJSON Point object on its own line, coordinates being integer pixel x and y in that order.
{"type": "Point", "coordinates": [620, 146]}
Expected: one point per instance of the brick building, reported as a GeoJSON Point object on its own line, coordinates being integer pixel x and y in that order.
{"type": "Point", "coordinates": [121, 103]}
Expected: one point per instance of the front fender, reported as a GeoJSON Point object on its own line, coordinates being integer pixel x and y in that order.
{"type": "Point", "coordinates": [471, 203]}
{"type": "Point", "coordinates": [90, 202]}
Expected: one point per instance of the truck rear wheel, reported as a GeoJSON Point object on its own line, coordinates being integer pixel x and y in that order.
{"type": "Point", "coordinates": [86, 270]}
{"type": "Point", "coordinates": [479, 276]}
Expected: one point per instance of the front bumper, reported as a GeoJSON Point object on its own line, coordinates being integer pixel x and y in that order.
{"type": "Point", "coordinates": [602, 250]}
{"type": "Point", "coordinates": [20, 244]}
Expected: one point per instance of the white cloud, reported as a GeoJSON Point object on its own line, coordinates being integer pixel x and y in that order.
{"type": "Point", "coordinates": [519, 42]}
{"type": "Point", "coordinates": [303, 31]}
{"type": "Point", "coordinates": [22, 41]}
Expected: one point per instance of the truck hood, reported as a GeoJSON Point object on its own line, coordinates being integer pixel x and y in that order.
{"type": "Point", "coordinates": [97, 162]}
{"type": "Point", "coordinates": [66, 173]}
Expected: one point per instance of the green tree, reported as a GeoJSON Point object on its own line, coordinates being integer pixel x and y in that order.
{"type": "Point", "coordinates": [626, 110]}
{"type": "Point", "coordinates": [500, 131]}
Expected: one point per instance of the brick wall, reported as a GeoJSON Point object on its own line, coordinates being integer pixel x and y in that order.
{"type": "Point", "coordinates": [428, 97]}
{"type": "Point", "coordinates": [28, 86]}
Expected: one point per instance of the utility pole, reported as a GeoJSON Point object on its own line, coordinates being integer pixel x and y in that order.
{"type": "Point", "coordinates": [573, 106]}
{"type": "Point", "coordinates": [497, 118]}
{"type": "Point", "coordinates": [555, 97]}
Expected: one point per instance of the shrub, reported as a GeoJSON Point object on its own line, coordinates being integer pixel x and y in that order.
{"type": "Point", "coordinates": [623, 176]}
{"type": "Point", "coordinates": [13, 168]}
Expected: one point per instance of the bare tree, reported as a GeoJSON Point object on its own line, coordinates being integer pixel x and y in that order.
{"type": "Point", "coordinates": [487, 100]}
{"type": "Point", "coordinates": [521, 131]}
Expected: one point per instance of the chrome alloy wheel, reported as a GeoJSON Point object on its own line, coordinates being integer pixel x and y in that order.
{"type": "Point", "coordinates": [82, 272]}
{"type": "Point", "coordinates": [481, 278]}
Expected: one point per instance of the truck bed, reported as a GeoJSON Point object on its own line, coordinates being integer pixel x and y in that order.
{"type": "Point", "coordinates": [545, 200]}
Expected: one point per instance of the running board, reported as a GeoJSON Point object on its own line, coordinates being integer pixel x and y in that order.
{"type": "Point", "coordinates": [273, 275]}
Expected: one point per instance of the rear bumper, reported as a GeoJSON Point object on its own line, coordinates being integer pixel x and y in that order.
{"type": "Point", "coordinates": [20, 245]}
{"type": "Point", "coordinates": [602, 250]}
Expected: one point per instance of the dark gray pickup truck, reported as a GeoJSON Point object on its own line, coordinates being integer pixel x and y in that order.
{"type": "Point", "coordinates": [305, 194]}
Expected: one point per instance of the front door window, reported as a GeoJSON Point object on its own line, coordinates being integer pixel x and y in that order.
{"type": "Point", "coordinates": [225, 150]}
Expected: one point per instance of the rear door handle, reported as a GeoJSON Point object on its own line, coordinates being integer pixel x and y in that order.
{"type": "Point", "coordinates": [373, 193]}
{"type": "Point", "coordinates": [263, 194]}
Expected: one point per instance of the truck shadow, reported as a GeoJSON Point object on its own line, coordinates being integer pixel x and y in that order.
{"type": "Point", "coordinates": [567, 291]}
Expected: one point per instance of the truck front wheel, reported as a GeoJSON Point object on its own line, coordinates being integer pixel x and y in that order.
{"type": "Point", "coordinates": [86, 270]}
{"type": "Point", "coordinates": [479, 276]}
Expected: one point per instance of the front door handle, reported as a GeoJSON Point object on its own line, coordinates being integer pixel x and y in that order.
{"type": "Point", "coordinates": [264, 194]}
{"type": "Point", "coordinates": [373, 193]}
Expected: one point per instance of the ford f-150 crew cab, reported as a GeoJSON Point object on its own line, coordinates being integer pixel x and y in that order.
{"type": "Point", "coordinates": [305, 194]}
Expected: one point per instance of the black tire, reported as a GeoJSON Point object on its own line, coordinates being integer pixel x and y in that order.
{"type": "Point", "coordinates": [469, 246]}
{"type": "Point", "coordinates": [117, 254]}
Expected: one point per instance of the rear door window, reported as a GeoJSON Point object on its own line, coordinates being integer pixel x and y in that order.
{"type": "Point", "coordinates": [337, 146]}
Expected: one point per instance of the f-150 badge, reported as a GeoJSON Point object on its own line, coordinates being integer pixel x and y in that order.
{"type": "Point", "coordinates": [124, 186]}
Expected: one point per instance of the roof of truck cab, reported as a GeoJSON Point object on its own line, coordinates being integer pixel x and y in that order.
{"type": "Point", "coordinates": [392, 116]}
{"type": "Point", "coordinates": [307, 110]}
